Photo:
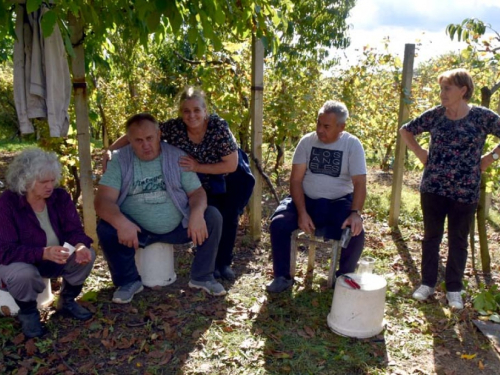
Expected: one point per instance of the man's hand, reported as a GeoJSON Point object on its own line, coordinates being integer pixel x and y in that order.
{"type": "Point", "coordinates": [197, 229]}
{"type": "Point", "coordinates": [306, 224]}
{"type": "Point", "coordinates": [57, 254]}
{"type": "Point", "coordinates": [127, 234]}
{"type": "Point", "coordinates": [355, 221]}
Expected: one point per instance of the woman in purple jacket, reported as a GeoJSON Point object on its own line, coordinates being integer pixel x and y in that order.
{"type": "Point", "coordinates": [36, 219]}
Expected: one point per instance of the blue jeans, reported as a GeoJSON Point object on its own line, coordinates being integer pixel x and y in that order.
{"type": "Point", "coordinates": [435, 209]}
{"type": "Point", "coordinates": [327, 216]}
{"type": "Point", "coordinates": [121, 259]}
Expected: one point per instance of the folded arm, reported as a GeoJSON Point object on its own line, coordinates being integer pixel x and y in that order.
{"type": "Point", "coordinates": [414, 146]}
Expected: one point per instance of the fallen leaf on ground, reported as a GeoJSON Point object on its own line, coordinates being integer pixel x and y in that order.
{"type": "Point", "coordinates": [70, 337]}
{"type": "Point", "coordinates": [468, 356]}
{"type": "Point", "coordinates": [30, 347]}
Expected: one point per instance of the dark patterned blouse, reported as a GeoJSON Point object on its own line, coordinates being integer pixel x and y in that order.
{"type": "Point", "coordinates": [453, 166]}
{"type": "Point", "coordinates": [217, 142]}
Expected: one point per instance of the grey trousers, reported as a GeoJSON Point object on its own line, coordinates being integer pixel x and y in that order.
{"type": "Point", "coordinates": [25, 281]}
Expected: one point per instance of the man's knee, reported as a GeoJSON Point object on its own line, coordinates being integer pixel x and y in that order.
{"type": "Point", "coordinates": [281, 224]}
{"type": "Point", "coordinates": [213, 216]}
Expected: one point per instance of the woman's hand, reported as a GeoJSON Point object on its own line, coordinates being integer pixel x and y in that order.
{"type": "Point", "coordinates": [56, 254]}
{"type": "Point", "coordinates": [82, 254]}
{"type": "Point", "coordinates": [422, 155]}
{"type": "Point", "coordinates": [188, 163]}
{"type": "Point", "coordinates": [106, 156]}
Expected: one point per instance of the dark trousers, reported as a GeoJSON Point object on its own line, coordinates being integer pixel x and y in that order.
{"type": "Point", "coordinates": [328, 217]}
{"type": "Point", "coordinates": [227, 207]}
{"type": "Point", "coordinates": [435, 209]}
{"type": "Point", "coordinates": [121, 259]}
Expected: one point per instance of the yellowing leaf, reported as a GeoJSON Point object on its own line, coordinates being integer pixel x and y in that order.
{"type": "Point", "coordinates": [468, 356]}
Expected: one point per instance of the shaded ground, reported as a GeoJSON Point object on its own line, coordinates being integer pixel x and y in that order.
{"type": "Point", "coordinates": [174, 330]}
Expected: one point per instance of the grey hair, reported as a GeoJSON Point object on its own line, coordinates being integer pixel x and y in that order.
{"type": "Point", "coordinates": [331, 106]}
{"type": "Point", "coordinates": [30, 165]}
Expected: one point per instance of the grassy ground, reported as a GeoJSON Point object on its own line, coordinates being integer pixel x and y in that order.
{"type": "Point", "coordinates": [175, 330]}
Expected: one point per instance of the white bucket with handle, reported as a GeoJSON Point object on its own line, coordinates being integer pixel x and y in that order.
{"type": "Point", "coordinates": [155, 264]}
{"type": "Point", "coordinates": [358, 313]}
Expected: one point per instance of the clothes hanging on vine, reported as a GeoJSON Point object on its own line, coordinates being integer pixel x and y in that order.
{"type": "Point", "coordinates": [42, 83]}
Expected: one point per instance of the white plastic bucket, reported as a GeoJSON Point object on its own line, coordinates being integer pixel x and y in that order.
{"type": "Point", "coordinates": [358, 312]}
{"type": "Point", "coordinates": [155, 264]}
{"type": "Point", "coordinates": [44, 299]}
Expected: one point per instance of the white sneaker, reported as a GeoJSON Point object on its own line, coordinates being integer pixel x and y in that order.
{"type": "Point", "coordinates": [455, 300]}
{"type": "Point", "coordinates": [423, 292]}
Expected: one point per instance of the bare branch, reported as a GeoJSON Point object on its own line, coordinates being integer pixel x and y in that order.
{"type": "Point", "coordinates": [199, 62]}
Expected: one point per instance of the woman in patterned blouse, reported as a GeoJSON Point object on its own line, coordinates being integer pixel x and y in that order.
{"type": "Point", "coordinates": [212, 153]}
{"type": "Point", "coordinates": [451, 178]}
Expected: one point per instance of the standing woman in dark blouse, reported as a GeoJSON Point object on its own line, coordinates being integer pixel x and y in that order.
{"type": "Point", "coordinates": [451, 179]}
{"type": "Point", "coordinates": [213, 155]}
{"type": "Point", "coordinates": [36, 220]}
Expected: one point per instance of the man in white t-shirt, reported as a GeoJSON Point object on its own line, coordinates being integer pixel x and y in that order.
{"type": "Point", "coordinates": [328, 190]}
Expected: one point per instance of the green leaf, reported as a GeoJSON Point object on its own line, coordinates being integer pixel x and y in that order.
{"type": "Point", "coordinates": [90, 296]}
{"type": "Point", "coordinates": [174, 17]}
{"type": "Point", "coordinates": [33, 5]}
{"type": "Point", "coordinates": [48, 22]}
{"type": "Point", "coordinates": [495, 318]}
{"type": "Point", "coordinates": [192, 35]}
{"type": "Point", "coordinates": [153, 20]}
{"type": "Point", "coordinates": [161, 5]}
{"type": "Point", "coordinates": [68, 45]}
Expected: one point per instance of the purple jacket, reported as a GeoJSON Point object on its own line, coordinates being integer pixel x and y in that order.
{"type": "Point", "coordinates": [21, 237]}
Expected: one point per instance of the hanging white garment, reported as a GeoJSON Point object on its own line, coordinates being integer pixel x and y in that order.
{"type": "Point", "coordinates": [42, 83]}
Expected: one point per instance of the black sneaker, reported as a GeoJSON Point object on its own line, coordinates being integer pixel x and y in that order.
{"type": "Point", "coordinates": [31, 325]}
{"type": "Point", "coordinates": [279, 284]}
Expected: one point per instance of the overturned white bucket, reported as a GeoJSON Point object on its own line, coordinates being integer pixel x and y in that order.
{"type": "Point", "coordinates": [155, 264]}
{"type": "Point", "coordinates": [358, 312]}
{"type": "Point", "coordinates": [9, 306]}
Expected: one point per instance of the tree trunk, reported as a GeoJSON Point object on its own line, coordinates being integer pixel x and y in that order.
{"type": "Point", "coordinates": [82, 125]}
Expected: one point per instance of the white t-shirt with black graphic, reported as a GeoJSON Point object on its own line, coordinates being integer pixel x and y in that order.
{"type": "Point", "coordinates": [330, 166]}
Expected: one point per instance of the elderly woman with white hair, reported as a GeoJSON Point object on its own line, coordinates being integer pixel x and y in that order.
{"type": "Point", "coordinates": [36, 219]}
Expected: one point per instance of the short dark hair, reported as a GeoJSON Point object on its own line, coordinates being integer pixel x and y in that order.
{"type": "Point", "coordinates": [139, 118]}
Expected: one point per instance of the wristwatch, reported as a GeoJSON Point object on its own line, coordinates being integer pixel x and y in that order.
{"type": "Point", "coordinates": [356, 211]}
{"type": "Point", "coordinates": [494, 155]}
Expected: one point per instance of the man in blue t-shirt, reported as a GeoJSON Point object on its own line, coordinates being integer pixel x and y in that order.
{"type": "Point", "coordinates": [328, 190]}
{"type": "Point", "coordinates": [145, 197]}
